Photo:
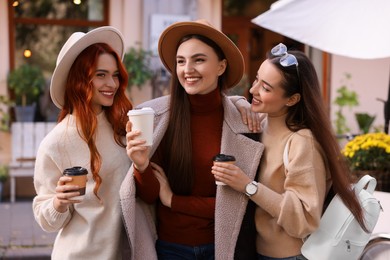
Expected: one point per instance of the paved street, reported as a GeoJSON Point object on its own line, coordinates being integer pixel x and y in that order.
{"type": "Point", "coordinates": [22, 238]}
{"type": "Point", "coordinates": [20, 235]}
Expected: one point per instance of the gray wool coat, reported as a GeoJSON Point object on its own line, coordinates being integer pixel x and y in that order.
{"type": "Point", "coordinates": [139, 217]}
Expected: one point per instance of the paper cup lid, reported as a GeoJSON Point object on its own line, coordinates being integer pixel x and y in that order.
{"type": "Point", "coordinates": [224, 158]}
{"type": "Point", "coordinates": [76, 170]}
{"type": "Point", "coordinates": [142, 111]}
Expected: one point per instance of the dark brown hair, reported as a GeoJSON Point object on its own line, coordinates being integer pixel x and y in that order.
{"type": "Point", "coordinates": [178, 154]}
{"type": "Point", "coordinates": [310, 112]}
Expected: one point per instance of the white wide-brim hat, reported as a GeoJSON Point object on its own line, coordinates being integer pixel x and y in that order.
{"type": "Point", "coordinates": [76, 43]}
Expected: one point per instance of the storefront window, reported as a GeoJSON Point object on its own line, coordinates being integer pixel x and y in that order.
{"type": "Point", "coordinates": [41, 43]}
{"type": "Point", "coordinates": [39, 28]}
{"type": "Point", "coordinates": [60, 9]}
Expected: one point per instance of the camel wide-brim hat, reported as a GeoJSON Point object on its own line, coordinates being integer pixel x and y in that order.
{"type": "Point", "coordinates": [170, 37]}
{"type": "Point", "coordinates": [76, 43]}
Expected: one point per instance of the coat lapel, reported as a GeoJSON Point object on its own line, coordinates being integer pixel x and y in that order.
{"type": "Point", "coordinates": [230, 204]}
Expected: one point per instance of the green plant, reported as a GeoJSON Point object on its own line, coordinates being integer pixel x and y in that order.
{"type": "Point", "coordinates": [3, 173]}
{"type": "Point", "coordinates": [344, 98]}
{"type": "Point", "coordinates": [4, 115]}
{"type": "Point", "coordinates": [242, 88]}
{"type": "Point", "coordinates": [137, 63]}
{"type": "Point", "coordinates": [27, 82]}
{"type": "Point", "coordinates": [364, 121]}
{"type": "Point", "coordinates": [368, 152]}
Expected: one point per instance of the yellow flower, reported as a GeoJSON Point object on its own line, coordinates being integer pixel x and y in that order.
{"type": "Point", "coordinates": [368, 152]}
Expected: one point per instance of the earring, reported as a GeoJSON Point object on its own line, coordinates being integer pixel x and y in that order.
{"type": "Point", "coordinates": [288, 104]}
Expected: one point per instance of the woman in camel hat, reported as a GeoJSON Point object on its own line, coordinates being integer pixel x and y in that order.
{"type": "Point", "coordinates": [180, 211]}
{"type": "Point", "coordinates": [88, 85]}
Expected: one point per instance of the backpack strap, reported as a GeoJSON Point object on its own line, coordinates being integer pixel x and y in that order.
{"type": "Point", "coordinates": [285, 155]}
{"type": "Point", "coordinates": [285, 152]}
{"type": "Point", "coordinates": [365, 180]}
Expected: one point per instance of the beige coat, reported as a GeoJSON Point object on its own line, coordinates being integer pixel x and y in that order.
{"type": "Point", "coordinates": [139, 218]}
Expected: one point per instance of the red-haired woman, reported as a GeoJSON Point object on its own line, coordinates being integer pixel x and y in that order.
{"type": "Point", "coordinates": [88, 85]}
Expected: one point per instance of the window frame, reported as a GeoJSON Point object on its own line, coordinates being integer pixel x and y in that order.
{"type": "Point", "coordinates": [13, 21]}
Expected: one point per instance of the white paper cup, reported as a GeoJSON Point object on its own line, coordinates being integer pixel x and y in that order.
{"type": "Point", "coordinates": [142, 120]}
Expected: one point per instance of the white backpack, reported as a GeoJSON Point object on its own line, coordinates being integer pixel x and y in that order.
{"type": "Point", "coordinates": [339, 236]}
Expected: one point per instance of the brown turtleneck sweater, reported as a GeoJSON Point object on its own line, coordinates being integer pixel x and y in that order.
{"type": "Point", "coordinates": [190, 220]}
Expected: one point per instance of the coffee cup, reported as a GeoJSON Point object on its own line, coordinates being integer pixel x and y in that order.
{"type": "Point", "coordinates": [142, 120]}
{"type": "Point", "coordinates": [79, 178]}
{"type": "Point", "coordinates": [225, 159]}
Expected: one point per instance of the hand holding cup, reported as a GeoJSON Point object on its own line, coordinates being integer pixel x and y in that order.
{"type": "Point", "coordinates": [79, 178]}
{"type": "Point", "coordinates": [142, 120]}
{"type": "Point", "coordinates": [225, 159]}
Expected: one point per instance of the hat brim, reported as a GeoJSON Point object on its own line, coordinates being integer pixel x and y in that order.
{"type": "Point", "coordinates": [105, 34]}
{"type": "Point", "coordinates": [174, 33]}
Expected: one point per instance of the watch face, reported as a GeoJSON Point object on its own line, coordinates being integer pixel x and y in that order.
{"type": "Point", "coordinates": [251, 188]}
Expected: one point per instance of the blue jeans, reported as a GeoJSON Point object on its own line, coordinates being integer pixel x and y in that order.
{"type": "Point", "coordinates": [298, 257]}
{"type": "Point", "coordinates": [173, 251]}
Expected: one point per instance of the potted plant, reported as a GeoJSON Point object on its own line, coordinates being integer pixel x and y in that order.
{"type": "Point", "coordinates": [137, 63]}
{"type": "Point", "coordinates": [27, 83]}
{"type": "Point", "coordinates": [3, 178]}
{"type": "Point", "coordinates": [370, 154]}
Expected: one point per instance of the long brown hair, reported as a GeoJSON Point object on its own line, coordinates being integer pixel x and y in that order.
{"type": "Point", "coordinates": [78, 97]}
{"type": "Point", "coordinates": [177, 141]}
{"type": "Point", "coordinates": [310, 112]}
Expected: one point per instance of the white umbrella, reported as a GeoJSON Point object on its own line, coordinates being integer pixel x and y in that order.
{"type": "Point", "coordinates": [352, 28]}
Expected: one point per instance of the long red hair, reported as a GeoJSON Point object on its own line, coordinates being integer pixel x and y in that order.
{"type": "Point", "coordinates": [78, 97]}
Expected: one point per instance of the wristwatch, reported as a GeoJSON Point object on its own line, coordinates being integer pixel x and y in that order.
{"type": "Point", "coordinates": [251, 188]}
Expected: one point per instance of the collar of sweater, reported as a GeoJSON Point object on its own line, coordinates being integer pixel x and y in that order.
{"type": "Point", "coordinates": [205, 103]}
{"type": "Point", "coordinates": [101, 119]}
